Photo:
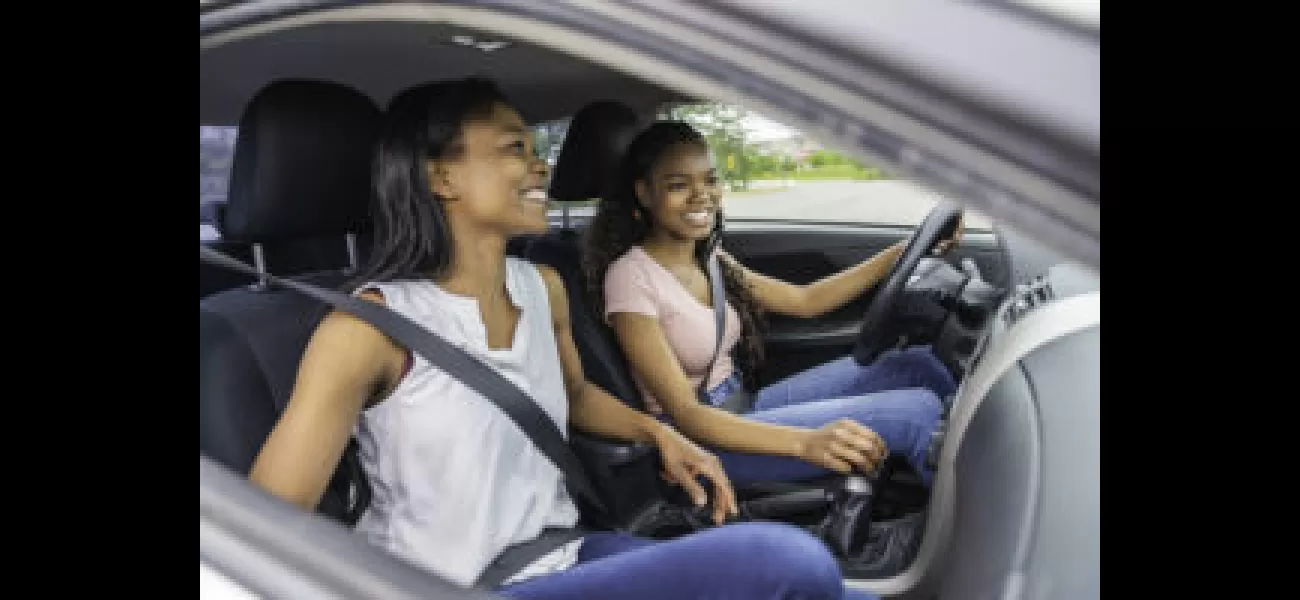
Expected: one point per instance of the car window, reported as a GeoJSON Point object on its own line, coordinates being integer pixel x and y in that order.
{"type": "Point", "coordinates": [548, 138]}
{"type": "Point", "coordinates": [216, 153]}
{"type": "Point", "coordinates": [772, 172]}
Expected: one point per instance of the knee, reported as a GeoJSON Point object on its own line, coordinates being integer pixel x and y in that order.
{"type": "Point", "coordinates": [921, 361]}
{"type": "Point", "coordinates": [783, 557]}
{"type": "Point", "coordinates": [912, 356]}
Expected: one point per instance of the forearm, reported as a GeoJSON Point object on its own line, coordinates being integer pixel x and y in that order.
{"type": "Point", "coordinates": [594, 411]}
{"type": "Point", "coordinates": [830, 293]}
{"type": "Point", "coordinates": [723, 430]}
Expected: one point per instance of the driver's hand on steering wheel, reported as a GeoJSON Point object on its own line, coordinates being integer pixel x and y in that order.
{"type": "Point", "coordinates": [946, 245]}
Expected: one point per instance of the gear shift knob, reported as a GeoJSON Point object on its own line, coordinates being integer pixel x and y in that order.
{"type": "Point", "coordinates": [849, 523]}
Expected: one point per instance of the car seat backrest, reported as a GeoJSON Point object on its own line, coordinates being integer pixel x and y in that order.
{"type": "Point", "coordinates": [592, 147]}
{"type": "Point", "coordinates": [302, 169]}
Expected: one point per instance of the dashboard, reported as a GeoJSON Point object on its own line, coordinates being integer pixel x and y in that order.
{"type": "Point", "coordinates": [1015, 510]}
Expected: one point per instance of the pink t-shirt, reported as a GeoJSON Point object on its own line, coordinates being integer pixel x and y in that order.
{"type": "Point", "coordinates": [637, 284]}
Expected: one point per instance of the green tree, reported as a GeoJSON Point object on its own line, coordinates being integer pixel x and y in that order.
{"type": "Point", "coordinates": [722, 126]}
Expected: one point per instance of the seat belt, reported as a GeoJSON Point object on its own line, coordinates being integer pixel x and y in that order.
{"type": "Point", "coordinates": [467, 369]}
{"type": "Point", "coordinates": [740, 401]}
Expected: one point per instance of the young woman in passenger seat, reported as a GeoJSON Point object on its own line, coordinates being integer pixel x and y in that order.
{"type": "Point", "coordinates": [454, 481]}
{"type": "Point", "coordinates": [643, 259]}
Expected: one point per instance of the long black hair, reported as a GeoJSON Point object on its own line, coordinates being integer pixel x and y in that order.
{"type": "Point", "coordinates": [621, 222]}
{"type": "Point", "coordinates": [412, 238]}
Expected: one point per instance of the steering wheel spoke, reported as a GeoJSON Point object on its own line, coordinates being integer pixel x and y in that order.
{"type": "Point", "coordinates": [941, 224]}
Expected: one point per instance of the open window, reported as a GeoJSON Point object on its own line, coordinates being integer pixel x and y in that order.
{"type": "Point", "coordinates": [216, 155]}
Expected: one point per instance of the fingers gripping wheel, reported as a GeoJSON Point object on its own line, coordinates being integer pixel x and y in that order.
{"type": "Point", "coordinates": [939, 225]}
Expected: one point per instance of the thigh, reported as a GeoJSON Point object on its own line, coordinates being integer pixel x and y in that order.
{"type": "Point", "coordinates": [904, 419]}
{"type": "Point", "coordinates": [893, 370]}
{"type": "Point", "coordinates": [827, 380]}
{"type": "Point", "coordinates": [742, 561]}
{"type": "Point", "coordinates": [744, 468]}
{"type": "Point", "coordinates": [604, 544]}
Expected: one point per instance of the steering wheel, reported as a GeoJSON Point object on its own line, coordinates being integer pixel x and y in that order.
{"type": "Point", "coordinates": [939, 225]}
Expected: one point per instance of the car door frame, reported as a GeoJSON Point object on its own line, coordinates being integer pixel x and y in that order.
{"type": "Point", "coordinates": [871, 102]}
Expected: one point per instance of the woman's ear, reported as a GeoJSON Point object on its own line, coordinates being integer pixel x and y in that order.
{"type": "Point", "coordinates": [642, 191]}
{"type": "Point", "coordinates": [440, 181]}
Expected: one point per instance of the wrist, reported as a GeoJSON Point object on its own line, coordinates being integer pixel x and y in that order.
{"type": "Point", "coordinates": [797, 443]}
{"type": "Point", "coordinates": [654, 431]}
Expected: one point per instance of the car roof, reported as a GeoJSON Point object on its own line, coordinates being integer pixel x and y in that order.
{"type": "Point", "coordinates": [542, 83]}
{"type": "Point", "coordinates": [1011, 129]}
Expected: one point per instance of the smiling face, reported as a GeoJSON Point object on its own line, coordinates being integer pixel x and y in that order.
{"type": "Point", "coordinates": [682, 192]}
{"type": "Point", "coordinates": [490, 178]}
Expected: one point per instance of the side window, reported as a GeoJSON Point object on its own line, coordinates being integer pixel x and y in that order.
{"type": "Point", "coordinates": [216, 154]}
{"type": "Point", "coordinates": [772, 172]}
{"type": "Point", "coordinates": [548, 139]}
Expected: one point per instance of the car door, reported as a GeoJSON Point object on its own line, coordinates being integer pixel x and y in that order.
{"type": "Point", "coordinates": [1012, 126]}
{"type": "Point", "coordinates": [804, 231]}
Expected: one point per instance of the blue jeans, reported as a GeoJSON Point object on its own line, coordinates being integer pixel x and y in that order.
{"type": "Point", "coordinates": [897, 397]}
{"type": "Point", "coordinates": [750, 561]}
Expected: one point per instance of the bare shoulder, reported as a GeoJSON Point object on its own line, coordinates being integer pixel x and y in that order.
{"type": "Point", "coordinates": [347, 336]}
{"type": "Point", "coordinates": [556, 293]}
{"type": "Point", "coordinates": [550, 276]}
{"type": "Point", "coordinates": [347, 353]}
{"type": "Point", "coordinates": [554, 283]}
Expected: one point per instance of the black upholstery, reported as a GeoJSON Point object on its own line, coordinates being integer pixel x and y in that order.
{"type": "Point", "coordinates": [302, 168]}
{"type": "Point", "coordinates": [302, 162]}
{"type": "Point", "coordinates": [596, 138]}
{"type": "Point", "coordinates": [602, 360]}
{"type": "Point", "coordinates": [278, 198]}
{"type": "Point", "coordinates": [592, 148]}
{"type": "Point", "coordinates": [249, 347]}
{"type": "Point", "coordinates": [286, 257]}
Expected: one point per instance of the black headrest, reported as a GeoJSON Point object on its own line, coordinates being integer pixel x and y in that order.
{"type": "Point", "coordinates": [302, 163]}
{"type": "Point", "coordinates": [597, 136]}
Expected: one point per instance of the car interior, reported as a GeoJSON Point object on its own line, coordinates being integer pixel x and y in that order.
{"type": "Point", "coordinates": [298, 204]}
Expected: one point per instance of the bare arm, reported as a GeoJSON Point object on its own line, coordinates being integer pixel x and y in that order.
{"type": "Point", "coordinates": [839, 446]}
{"type": "Point", "coordinates": [821, 296]}
{"type": "Point", "coordinates": [592, 409]}
{"type": "Point", "coordinates": [651, 356]}
{"type": "Point", "coordinates": [831, 292]}
{"type": "Point", "coordinates": [345, 364]}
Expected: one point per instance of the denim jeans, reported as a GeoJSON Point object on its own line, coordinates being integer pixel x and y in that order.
{"type": "Point", "coordinates": [749, 561]}
{"type": "Point", "coordinates": [897, 397]}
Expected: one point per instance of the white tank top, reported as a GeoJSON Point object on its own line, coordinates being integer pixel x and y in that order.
{"type": "Point", "coordinates": [454, 480]}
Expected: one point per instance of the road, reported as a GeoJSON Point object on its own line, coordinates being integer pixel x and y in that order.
{"type": "Point", "coordinates": [889, 202]}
